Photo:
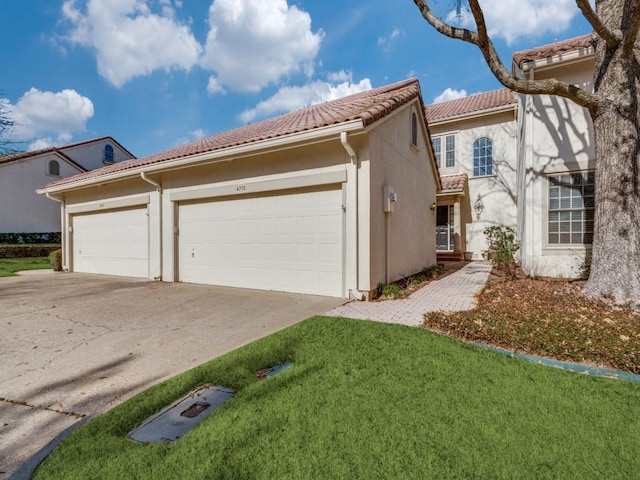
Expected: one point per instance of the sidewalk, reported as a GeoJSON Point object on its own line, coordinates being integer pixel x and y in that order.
{"type": "Point", "coordinates": [455, 292]}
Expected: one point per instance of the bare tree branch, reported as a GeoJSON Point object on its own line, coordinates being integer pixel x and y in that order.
{"type": "Point", "coordinates": [631, 32]}
{"type": "Point", "coordinates": [483, 42]}
{"type": "Point", "coordinates": [612, 39]}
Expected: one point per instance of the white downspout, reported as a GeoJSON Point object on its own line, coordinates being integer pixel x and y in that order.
{"type": "Point", "coordinates": [355, 280]}
{"type": "Point", "coordinates": [63, 230]}
{"type": "Point", "coordinates": [144, 177]}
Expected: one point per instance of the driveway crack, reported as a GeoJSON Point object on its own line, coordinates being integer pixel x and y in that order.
{"type": "Point", "coordinates": [42, 407]}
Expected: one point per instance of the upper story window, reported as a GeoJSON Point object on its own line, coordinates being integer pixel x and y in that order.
{"type": "Point", "coordinates": [53, 168]}
{"type": "Point", "coordinates": [445, 150]}
{"type": "Point", "coordinates": [414, 130]}
{"type": "Point", "coordinates": [108, 154]}
{"type": "Point", "coordinates": [482, 157]}
{"type": "Point", "coordinates": [571, 208]}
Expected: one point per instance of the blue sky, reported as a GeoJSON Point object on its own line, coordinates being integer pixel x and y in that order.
{"type": "Point", "coordinates": [154, 74]}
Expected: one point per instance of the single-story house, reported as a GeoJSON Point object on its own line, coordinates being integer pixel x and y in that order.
{"type": "Point", "coordinates": [22, 210]}
{"type": "Point", "coordinates": [332, 199]}
{"type": "Point", "coordinates": [520, 161]}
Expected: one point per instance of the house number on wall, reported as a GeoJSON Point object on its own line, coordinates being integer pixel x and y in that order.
{"type": "Point", "coordinates": [241, 188]}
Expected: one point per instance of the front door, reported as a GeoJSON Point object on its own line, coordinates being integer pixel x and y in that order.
{"type": "Point", "coordinates": [444, 228]}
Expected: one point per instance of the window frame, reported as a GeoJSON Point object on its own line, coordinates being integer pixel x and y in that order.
{"type": "Point", "coordinates": [441, 150]}
{"type": "Point", "coordinates": [565, 211]}
{"type": "Point", "coordinates": [109, 155]}
{"type": "Point", "coordinates": [486, 159]}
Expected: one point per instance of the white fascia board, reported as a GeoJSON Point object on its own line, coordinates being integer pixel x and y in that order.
{"type": "Point", "coordinates": [564, 58]}
{"type": "Point", "coordinates": [307, 137]}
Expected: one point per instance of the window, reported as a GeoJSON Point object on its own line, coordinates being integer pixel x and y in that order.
{"type": "Point", "coordinates": [414, 130]}
{"type": "Point", "coordinates": [482, 157]}
{"type": "Point", "coordinates": [54, 168]}
{"type": "Point", "coordinates": [449, 151]}
{"type": "Point", "coordinates": [571, 208]}
{"type": "Point", "coordinates": [108, 154]}
{"type": "Point", "coordinates": [437, 149]}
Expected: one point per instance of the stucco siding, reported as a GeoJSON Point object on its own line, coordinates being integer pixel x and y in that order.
{"type": "Point", "coordinates": [403, 241]}
{"type": "Point", "coordinates": [23, 210]}
{"type": "Point", "coordinates": [559, 138]}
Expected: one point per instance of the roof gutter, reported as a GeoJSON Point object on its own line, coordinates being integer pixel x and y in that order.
{"type": "Point", "coordinates": [225, 154]}
{"type": "Point", "coordinates": [63, 229]}
{"type": "Point", "coordinates": [354, 281]}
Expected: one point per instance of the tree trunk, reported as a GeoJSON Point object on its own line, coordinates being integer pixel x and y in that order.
{"type": "Point", "coordinates": [615, 267]}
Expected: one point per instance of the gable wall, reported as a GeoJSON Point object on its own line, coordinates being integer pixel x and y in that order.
{"type": "Point", "coordinates": [91, 155]}
{"type": "Point", "coordinates": [23, 210]}
{"type": "Point", "coordinates": [410, 237]}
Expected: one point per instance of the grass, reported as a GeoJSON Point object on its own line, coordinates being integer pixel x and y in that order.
{"type": "Point", "coordinates": [9, 266]}
{"type": "Point", "coordinates": [371, 400]}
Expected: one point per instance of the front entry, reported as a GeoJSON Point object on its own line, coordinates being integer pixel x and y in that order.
{"type": "Point", "coordinates": [444, 228]}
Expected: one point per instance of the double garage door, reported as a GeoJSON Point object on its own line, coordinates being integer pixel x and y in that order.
{"type": "Point", "coordinates": [288, 242]}
{"type": "Point", "coordinates": [291, 241]}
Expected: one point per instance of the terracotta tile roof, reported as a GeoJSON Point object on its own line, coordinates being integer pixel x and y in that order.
{"type": "Point", "coordinates": [553, 49]}
{"type": "Point", "coordinates": [471, 104]}
{"type": "Point", "coordinates": [368, 106]}
{"type": "Point", "coordinates": [454, 182]}
{"type": "Point", "coordinates": [59, 150]}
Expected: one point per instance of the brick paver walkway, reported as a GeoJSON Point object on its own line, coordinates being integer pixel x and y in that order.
{"type": "Point", "coordinates": [455, 292]}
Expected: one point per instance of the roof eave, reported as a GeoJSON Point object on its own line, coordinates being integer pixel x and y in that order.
{"type": "Point", "coordinates": [225, 154]}
{"type": "Point", "coordinates": [476, 114]}
{"type": "Point", "coordinates": [564, 58]}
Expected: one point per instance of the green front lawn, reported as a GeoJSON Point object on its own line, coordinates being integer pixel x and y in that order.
{"type": "Point", "coordinates": [9, 266]}
{"type": "Point", "coordinates": [370, 400]}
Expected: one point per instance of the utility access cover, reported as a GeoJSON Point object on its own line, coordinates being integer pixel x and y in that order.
{"type": "Point", "coordinates": [174, 421]}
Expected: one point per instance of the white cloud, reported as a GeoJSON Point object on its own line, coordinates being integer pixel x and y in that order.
{"type": "Point", "coordinates": [386, 41]}
{"type": "Point", "coordinates": [130, 40]}
{"type": "Point", "coordinates": [292, 98]}
{"type": "Point", "coordinates": [41, 116]}
{"type": "Point", "coordinates": [450, 94]}
{"type": "Point", "coordinates": [254, 43]}
{"type": "Point", "coordinates": [526, 18]}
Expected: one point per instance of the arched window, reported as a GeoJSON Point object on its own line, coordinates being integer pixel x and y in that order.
{"type": "Point", "coordinates": [108, 154]}
{"type": "Point", "coordinates": [482, 157]}
{"type": "Point", "coordinates": [54, 168]}
{"type": "Point", "coordinates": [414, 129]}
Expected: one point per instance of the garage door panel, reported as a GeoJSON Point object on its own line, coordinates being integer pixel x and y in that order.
{"type": "Point", "coordinates": [289, 242]}
{"type": "Point", "coordinates": [112, 243]}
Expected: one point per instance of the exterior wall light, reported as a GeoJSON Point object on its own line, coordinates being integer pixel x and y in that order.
{"type": "Point", "coordinates": [433, 206]}
{"type": "Point", "coordinates": [478, 206]}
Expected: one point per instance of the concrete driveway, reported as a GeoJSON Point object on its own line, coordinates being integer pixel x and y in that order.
{"type": "Point", "coordinates": [75, 345]}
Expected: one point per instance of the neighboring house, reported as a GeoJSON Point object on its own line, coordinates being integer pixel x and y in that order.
{"type": "Point", "coordinates": [332, 199]}
{"type": "Point", "coordinates": [475, 143]}
{"type": "Point", "coordinates": [22, 210]}
{"type": "Point", "coordinates": [521, 161]}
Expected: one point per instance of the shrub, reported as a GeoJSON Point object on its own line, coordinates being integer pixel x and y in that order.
{"type": "Point", "coordinates": [502, 249]}
{"type": "Point", "coordinates": [584, 269]}
{"type": "Point", "coordinates": [29, 238]}
{"type": "Point", "coordinates": [55, 258]}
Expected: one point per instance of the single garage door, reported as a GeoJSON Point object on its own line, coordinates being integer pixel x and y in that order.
{"type": "Point", "coordinates": [114, 242]}
{"type": "Point", "coordinates": [288, 242]}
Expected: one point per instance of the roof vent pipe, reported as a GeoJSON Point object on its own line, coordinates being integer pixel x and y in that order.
{"type": "Point", "coordinates": [355, 291]}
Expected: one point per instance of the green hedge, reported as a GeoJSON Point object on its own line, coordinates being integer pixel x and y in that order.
{"type": "Point", "coordinates": [29, 238]}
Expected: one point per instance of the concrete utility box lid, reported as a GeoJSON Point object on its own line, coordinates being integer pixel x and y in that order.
{"type": "Point", "coordinates": [173, 422]}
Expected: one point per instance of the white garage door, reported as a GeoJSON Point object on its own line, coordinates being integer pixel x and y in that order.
{"type": "Point", "coordinates": [290, 242]}
{"type": "Point", "coordinates": [112, 243]}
